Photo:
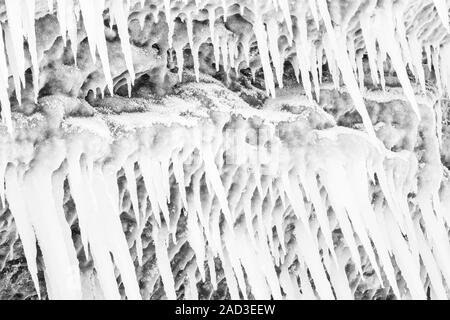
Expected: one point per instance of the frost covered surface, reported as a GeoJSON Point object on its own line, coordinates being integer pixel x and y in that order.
{"type": "Point", "coordinates": [159, 181]}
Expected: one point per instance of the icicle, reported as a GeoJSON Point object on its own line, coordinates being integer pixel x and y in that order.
{"type": "Point", "coordinates": [212, 20]}
{"type": "Point", "coordinates": [319, 209]}
{"type": "Point", "coordinates": [179, 176]}
{"type": "Point", "coordinates": [438, 237]}
{"type": "Point", "coordinates": [132, 188]}
{"type": "Point", "coordinates": [61, 264]}
{"type": "Point", "coordinates": [416, 57]}
{"type": "Point", "coordinates": [331, 61]}
{"type": "Point", "coordinates": [381, 58]}
{"type": "Point", "coordinates": [191, 292]}
{"type": "Point", "coordinates": [217, 50]}
{"type": "Point", "coordinates": [58, 179]}
{"type": "Point", "coordinates": [369, 218]}
{"type": "Point", "coordinates": [320, 62]}
{"type": "Point", "coordinates": [28, 21]}
{"type": "Point", "coordinates": [351, 52]}
{"type": "Point", "coordinates": [430, 264]}
{"type": "Point", "coordinates": [284, 5]}
{"type": "Point", "coordinates": [360, 70]}
{"type": "Point", "coordinates": [233, 254]}
{"type": "Point", "coordinates": [196, 241]}
{"type": "Point", "coordinates": [129, 87]}
{"type": "Point", "coordinates": [435, 56]}
{"type": "Point", "coordinates": [4, 97]}
{"type": "Point", "coordinates": [385, 253]}
{"type": "Point", "coordinates": [163, 262]}
{"type": "Point", "coordinates": [442, 68]}
{"type": "Point", "coordinates": [230, 278]}
{"type": "Point", "coordinates": [190, 30]}
{"type": "Point", "coordinates": [342, 196]}
{"type": "Point", "coordinates": [225, 10]}
{"type": "Point", "coordinates": [313, 7]}
{"type": "Point", "coordinates": [302, 49]}
{"type": "Point", "coordinates": [314, 72]}
{"type": "Point", "coordinates": [3, 165]}
{"type": "Point", "coordinates": [23, 223]}
{"type": "Point", "coordinates": [213, 176]}
{"type": "Point", "coordinates": [273, 34]}
{"type": "Point", "coordinates": [386, 37]}
{"type": "Point", "coordinates": [113, 236]}
{"type": "Point", "coordinates": [408, 267]}
{"type": "Point", "coordinates": [307, 290]}
{"type": "Point", "coordinates": [369, 40]}
{"type": "Point", "coordinates": [141, 19]}
{"type": "Point", "coordinates": [180, 61]}
{"type": "Point", "coordinates": [61, 15]}
{"type": "Point", "coordinates": [398, 13]}
{"type": "Point", "coordinates": [289, 285]}
{"type": "Point", "coordinates": [194, 47]}
{"type": "Point", "coordinates": [224, 52]}
{"type": "Point", "coordinates": [442, 9]}
{"type": "Point", "coordinates": [78, 194]}
{"type": "Point", "coordinates": [293, 191]}
{"type": "Point", "coordinates": [92, 225]}
{"type": "Point", "coordinates": [232, 50]}
{"type": "Point", "coordinates": [261, 38]}
{"type": "Point", "coordinates": [255, 275]}
{"type": "Point", "coordinates": [93, 21]}
{"type": "Point", "coordinates": [346, 69]}
{"type": "Point", "coordinates": [14, 45]}
{"type": "Point", "coordinates": [120, 14]}
{"type": "Point", "coordinates": [338, 207]}
{"type": "Point", "coordinates": [428, 55]}
{"type": "Point", "coordinates": [249, 215]}
{"type": "Point", "coordinates": [153, 178]}
{"type": "Point", "coordinates": [212, 271]}
{"type": "Point", "coordinates": [170, 21]}
{"type": "Point", "coordinates": [313, 260]}
{"type": "Point", "coordinates": [72, 28]}
{"type": "Point", "coordinates": [265, 260]}
{"type": "Point", "coordinates": [338, 277]}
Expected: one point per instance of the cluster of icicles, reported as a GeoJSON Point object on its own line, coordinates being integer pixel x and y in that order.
{"type": "Point", "coordinates": [252, 215]}
{"type": "Point", "coordinates": [382, 25]}
{"type": "Point", "coordinates": [267, 213]}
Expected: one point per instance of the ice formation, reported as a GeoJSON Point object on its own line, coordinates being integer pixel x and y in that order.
{"type": "Point", "coordinates": [128, 171]}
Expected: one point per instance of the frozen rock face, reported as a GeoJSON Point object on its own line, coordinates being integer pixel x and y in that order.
{"type": "Point", "coordinates": [224, 149]}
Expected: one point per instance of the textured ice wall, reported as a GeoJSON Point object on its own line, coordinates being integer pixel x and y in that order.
{"type": "Point", "coordinates": [233, 202]}
{"type": "Point", "coordinates": [197, 194]}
